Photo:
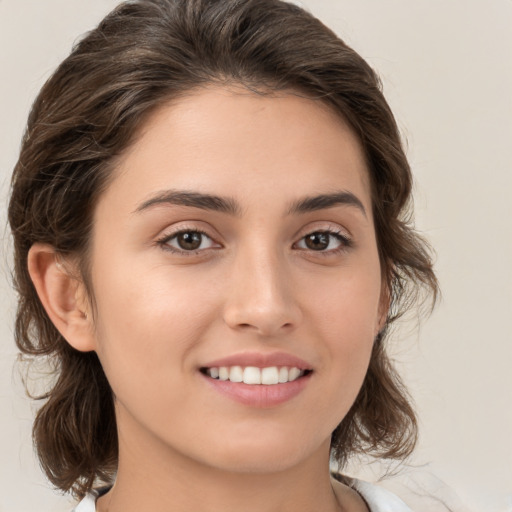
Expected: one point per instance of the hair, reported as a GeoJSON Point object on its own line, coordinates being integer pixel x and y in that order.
{"type": "Point", "coordinates": [142, 55]}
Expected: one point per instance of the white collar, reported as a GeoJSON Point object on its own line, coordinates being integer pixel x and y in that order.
{"type": "Point", "coordinates": [377, 498]}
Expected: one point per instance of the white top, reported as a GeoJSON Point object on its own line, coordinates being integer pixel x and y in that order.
{"type": "Point", "coordinates": [377, 498]}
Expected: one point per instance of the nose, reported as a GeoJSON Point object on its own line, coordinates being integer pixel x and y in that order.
{"type": "Point", "coordinates": [261, 296]}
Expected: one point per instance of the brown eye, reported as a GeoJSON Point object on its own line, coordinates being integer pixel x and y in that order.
{"type": "Point", "coordinates": [317, 241]}
{"type": "Point", "coordinates": [324, 241]}
{"type": "Point", "coordinates": [188, 241]}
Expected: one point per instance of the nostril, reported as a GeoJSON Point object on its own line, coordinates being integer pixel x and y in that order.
{"type": "Point", "coordinates": [267, 318]}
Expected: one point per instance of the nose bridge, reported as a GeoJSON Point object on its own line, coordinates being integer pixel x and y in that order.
{"type": "Point", "coordinates": [261, 293]}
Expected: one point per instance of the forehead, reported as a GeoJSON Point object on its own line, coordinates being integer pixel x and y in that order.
{"type": "Point", "coordinates": [232, 140]}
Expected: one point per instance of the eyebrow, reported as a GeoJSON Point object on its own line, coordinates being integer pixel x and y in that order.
{"type": "Point", "coordinates": [193, 199]}
{"type": "Point", "coordinates": [323, 201]}
{"type": "Point", "coordinates": [230, 206]}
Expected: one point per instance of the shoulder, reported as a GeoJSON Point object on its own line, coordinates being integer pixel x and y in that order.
{"type": "Point", "coordinates": [378, 498]}
{"type": "Point", "coordinates": [88, 504]}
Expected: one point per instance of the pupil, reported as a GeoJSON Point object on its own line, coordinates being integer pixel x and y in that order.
{"type": "Point", "coordinates": [317, 241]}
{"type": "Point", "coordinates": [190, 240]}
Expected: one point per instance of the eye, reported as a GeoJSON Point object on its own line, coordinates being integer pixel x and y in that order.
{"type": "Point", "coordinates": [189, 240]}
{"type": "Point", "coordinates": [324, 241]}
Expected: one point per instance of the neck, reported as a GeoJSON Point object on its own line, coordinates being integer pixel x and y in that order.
{"type": "Point", "coordinates": [153, 476]}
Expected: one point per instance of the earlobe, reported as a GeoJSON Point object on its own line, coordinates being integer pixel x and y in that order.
{"type": "Point", "coordinates": [63, 296]}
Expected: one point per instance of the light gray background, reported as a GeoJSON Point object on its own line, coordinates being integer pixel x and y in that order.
{"type": "Point", "coordinates": [447, 72]}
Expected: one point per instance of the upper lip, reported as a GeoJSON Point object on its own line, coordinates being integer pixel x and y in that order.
{"type": "Point", "coordinates": [260, 360]}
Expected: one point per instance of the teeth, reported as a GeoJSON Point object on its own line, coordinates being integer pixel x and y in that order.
{"type": "Point", "coordinates": [253, 375]}
{"type": "Point", "coordinates": [294, 374]}
{"type": "Point", "coordinates": [269, 375]}
{"type": "Point", "coordinates": [236, 374]}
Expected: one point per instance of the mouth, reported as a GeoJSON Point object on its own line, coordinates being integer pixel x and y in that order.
{"type": "Point", "coordinates": [258, 379]}
{"type": "Point", "coordinates": [253, 375]}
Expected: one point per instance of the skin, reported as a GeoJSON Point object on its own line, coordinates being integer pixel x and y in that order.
{"type": "Point", "coordinates": [253, 285]}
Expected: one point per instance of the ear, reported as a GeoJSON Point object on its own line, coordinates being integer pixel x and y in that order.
{"type": "Point", "coordinates": [63, 296]}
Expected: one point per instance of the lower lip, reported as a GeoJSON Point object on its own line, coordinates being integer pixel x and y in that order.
{"type": "Point", "coordinates": [259, 395]}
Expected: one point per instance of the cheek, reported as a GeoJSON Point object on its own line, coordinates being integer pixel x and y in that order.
{"type": "Point", "coordinates": [146, 327]}
{"type": "Point", "coordinates": [345, 314]}
{"type": "Point", "coordinates": [346, 306]}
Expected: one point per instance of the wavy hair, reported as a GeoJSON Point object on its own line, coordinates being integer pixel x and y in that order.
{"type": "Point", "coordinates": [143, 54]}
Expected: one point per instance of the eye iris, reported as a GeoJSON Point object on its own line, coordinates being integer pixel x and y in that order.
{"type": "Point", "coordinates": [317, 241]}
{"type": "Point", "coordinates": [189, 240]}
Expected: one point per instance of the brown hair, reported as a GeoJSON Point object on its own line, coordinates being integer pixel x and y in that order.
{"type": "Point", "coordinates": [141, 55]}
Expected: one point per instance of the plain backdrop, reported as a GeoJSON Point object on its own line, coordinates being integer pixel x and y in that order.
{"type": "Point", "coordinates": [446, 66]}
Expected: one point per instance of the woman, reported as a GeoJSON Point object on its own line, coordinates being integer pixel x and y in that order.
{"type": "Point", "coordinates": [212, 237]}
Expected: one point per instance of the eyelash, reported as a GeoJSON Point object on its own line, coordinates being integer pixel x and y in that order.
{"type": "Point", "coordinates": [345, 242]}
{"type": "Point", "coordinates": [164, 242]}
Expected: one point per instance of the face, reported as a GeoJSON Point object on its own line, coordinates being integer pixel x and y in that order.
{"type": "Point", "coordinates": [236, 242]}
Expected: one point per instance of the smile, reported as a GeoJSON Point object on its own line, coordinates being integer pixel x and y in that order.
{"type": "Point", "coordinates": [253, 375]}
